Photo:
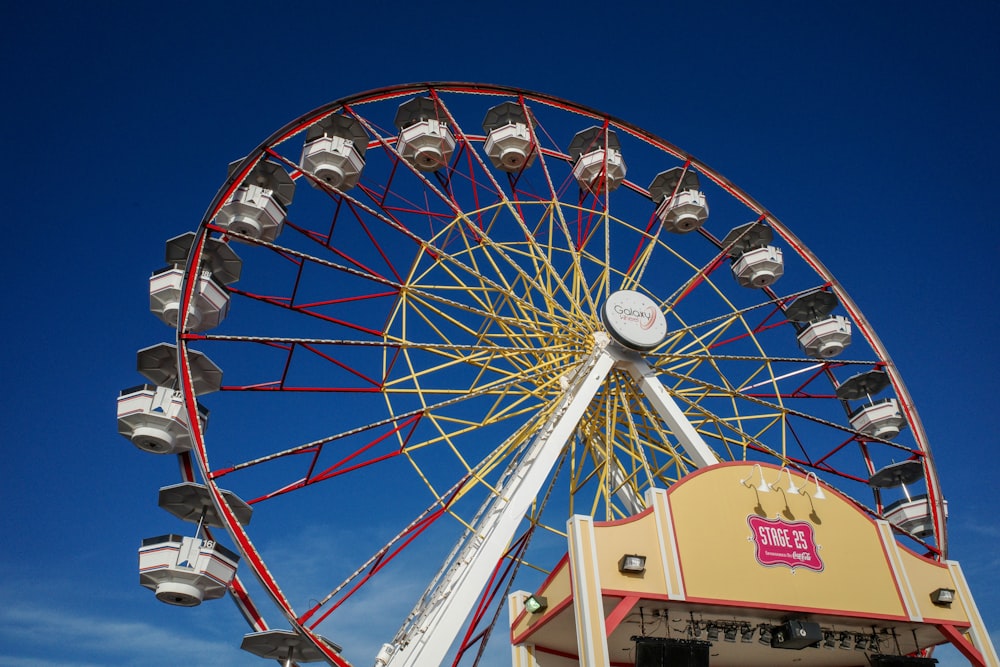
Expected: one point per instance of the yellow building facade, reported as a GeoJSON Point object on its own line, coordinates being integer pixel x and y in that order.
{"type": "Point", "coordinates": [728, 563]}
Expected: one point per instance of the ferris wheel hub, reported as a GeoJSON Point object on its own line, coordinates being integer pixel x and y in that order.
{"type": "Point", "coordinates": [634, 320]}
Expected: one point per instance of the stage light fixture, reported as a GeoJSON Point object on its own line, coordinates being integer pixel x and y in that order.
{"type": "Point", "coordinates": [943, 597]}
{"type": "Point", "coordinates": [632, 564]}
{"type": "Point", "coordinates": [796, 634]}
{"type": "Point", "coordinates": [535, 604]}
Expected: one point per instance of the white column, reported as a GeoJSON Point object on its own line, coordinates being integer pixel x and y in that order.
{"type": "Point", "coordinates": [521, 655]}
{"type": "Point", "coordinates": [977, 632]}
{"type": "Point", "coordinates": [588, 604]}
{"type": "Point", "coordinates": [667, 542]}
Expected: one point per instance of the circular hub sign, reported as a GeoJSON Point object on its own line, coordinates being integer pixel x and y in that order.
{"type": "Point", "coordinates": [634, 320]}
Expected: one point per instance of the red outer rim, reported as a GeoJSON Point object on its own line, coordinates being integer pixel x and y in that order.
{"type": "Point", "coordinates": [238, 533]}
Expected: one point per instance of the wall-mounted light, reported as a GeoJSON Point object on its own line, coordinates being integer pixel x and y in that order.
{"type": "Point", "coordinates": [535, 604]}
{"type": "Point", "coordinates": [632, 564]}
{"type": "Point", "coordinates": [730, 633]}
{"type": "Point", "coordinates": [762, 487]}
{"type": "Point", "coordinates": [791, 482]}
{"type": "Point", "coordinates": [943, 597]}
{"type": "Point", "coordinates": [746, 633]}
{"type": "Point", "coordinates": [713, 632]}
{"type": "Point", "coordinates": [819, 495]}
{"type": "Point", "coordinates": [765, 634]}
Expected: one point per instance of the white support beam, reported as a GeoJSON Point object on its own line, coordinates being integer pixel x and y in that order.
{"type": "Point", "coordinates": [436, 622]}
{"type": "Point", "coordinates": [625, 494]}
{"type": "Point", "coordinates": [694, 445]}
{"type": "Point", "coordinates": [979, 633]}
{"type": "Point", "coordinates": [437, 625]}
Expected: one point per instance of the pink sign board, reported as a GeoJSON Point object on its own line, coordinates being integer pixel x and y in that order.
{"type": "Point", "coordinates": [788, 543]}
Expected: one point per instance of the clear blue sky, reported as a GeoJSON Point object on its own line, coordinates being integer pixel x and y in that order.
{"type": "Point", "coordinates": [868, 128]}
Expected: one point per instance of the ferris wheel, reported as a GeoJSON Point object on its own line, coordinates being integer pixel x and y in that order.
{"type": "Point", "coordinates": [432, 322]}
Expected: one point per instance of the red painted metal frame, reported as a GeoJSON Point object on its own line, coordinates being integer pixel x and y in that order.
{"type": "Point", "coordinates": [443, 190]}
{"type": "Point", "coordinates": [964, 646]}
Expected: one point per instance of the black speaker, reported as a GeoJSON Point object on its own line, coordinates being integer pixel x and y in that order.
{"type": "Point", "coordinates": [662, 652]}
{"type": "Point", "coordinates": [795, 634]}
{"type": "Point", "coordinates": [899, 661]}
